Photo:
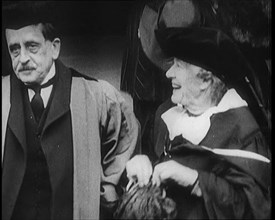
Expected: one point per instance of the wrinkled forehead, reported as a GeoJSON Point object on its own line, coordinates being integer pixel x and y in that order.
{"type": "Point", "coordinates": [174, 61]}
{"type": "Point", "coordinates": [187, 67]}
{"type": "Point", "coordinates": [185, 64]}
{"type": "Point", "coordinates": [27, 33]}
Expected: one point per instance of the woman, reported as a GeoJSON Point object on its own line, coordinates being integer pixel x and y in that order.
{"type": "Point", "coordinates": [212, 155]}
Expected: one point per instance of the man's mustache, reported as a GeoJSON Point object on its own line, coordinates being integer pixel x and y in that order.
{"type": "Point", "coordinates": [26, 68]}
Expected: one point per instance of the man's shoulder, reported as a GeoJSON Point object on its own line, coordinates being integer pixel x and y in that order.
{"type": "Point", "coordinates": [77, 74]}
{"type": "Point", "coordinates": [96, 86]}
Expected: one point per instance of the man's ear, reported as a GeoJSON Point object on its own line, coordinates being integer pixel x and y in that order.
{"type": "Point", "coordinates": [56, 43]}
{"type": "Point", "coordinates": [206, 80]}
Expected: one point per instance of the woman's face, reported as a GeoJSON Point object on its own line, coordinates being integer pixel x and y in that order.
{"type": "Point", "coordinates": [185, 82]}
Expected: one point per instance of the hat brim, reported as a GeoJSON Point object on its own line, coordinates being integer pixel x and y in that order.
{"type": "Point", "coordinates": [169, 14]}
{"type": "Point", "coordinates": [208, 48]}
{"type": "Point", "coordinates": [150, 46]}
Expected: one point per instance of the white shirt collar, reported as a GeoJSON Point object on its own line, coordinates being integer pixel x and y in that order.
{"type": "Point", "coordinates": [195, 128]}
{"type": "Point", "coordinates": [50, 75]}
{"type": "Point", "coordinates": [45, 92]}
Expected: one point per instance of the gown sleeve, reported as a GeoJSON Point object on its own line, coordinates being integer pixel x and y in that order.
{"type": "Point", "coordinates": [238, 187]}
{"type": "Point", "coordinates": [119, 139]}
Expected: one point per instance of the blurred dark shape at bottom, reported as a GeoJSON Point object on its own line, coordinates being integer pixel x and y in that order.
{"type": "Point", "coordinates": [147, 202]}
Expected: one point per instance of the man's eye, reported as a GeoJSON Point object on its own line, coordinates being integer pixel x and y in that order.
{"type": "Point", "coordinates": [33, 48]}
{"type": "Point", "coordinates": [15, 51]}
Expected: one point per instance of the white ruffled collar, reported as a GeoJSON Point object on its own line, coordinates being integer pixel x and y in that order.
{"type": "Point", "coordinates": [195, 128]}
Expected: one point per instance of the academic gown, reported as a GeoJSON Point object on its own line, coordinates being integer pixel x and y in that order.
{"type": "Point", "coordinates": [232, 187]}
{"type": "Point", "coordinates": [104, 131]}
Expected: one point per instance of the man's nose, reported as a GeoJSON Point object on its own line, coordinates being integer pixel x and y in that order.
{"type": "Point", "coordinates": [24, 56]}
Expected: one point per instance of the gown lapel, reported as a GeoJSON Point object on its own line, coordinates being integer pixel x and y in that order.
{"type": "Point", "coordinates": [60, 103]}
{"type": "Point", "coordinates": [16, 120]}
{"type": "Point", "coordinates": [14, 162]}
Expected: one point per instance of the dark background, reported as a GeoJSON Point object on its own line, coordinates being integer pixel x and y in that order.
{"type": "Point", "coordinates": [96, 17]}
{"type": "Point", "coordinates": [93, 37]}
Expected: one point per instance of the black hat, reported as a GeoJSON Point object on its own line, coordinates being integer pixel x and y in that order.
{"type": "Point", "coordinates": [213, 50]}
{"type": "Point", "coordinates": [232, 17]}
{"type": "Point", "coordinates": [208, 48]}
{"type": "Point", "coordinates": [17, 14]}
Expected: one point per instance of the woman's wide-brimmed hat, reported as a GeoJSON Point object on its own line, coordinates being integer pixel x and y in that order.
{"type": "Point", "coordinates": [230, 17]}
{"type": "Point", "coordinates": [209, 27]}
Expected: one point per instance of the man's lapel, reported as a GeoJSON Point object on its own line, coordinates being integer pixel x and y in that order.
{"type": "Point", "coordinates": [60, 103]}
{"type": "Point", "coordinates": [16, 120]}
{"type": "Point", "coordinates": [14, 160]}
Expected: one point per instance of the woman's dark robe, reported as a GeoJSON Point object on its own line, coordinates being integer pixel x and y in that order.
{"type": "Point", "coordinates": [232, 187]}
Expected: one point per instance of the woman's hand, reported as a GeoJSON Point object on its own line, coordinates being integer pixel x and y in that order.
{"type": "Point", "coordinates": [139, 169]}
{"type": "Point", "coordinates": [171, 169]}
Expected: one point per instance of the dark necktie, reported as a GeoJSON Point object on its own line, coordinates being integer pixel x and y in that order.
{"type": "Point", "coordinates": [37, 101]}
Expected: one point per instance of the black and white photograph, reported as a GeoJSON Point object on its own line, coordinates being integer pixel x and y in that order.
{"type": "Point", "coordinates": [136, 109]}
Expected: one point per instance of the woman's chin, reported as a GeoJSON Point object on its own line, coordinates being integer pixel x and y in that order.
{"type": "Point", "coordinates": [175, 99]}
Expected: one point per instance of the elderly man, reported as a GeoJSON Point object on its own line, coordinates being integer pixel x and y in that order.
{"type": "Point", "coordinates": [65, 137]}
{"type": "Point", "coordinates": [213, 157]}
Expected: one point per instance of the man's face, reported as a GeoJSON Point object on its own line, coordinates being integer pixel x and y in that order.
{"type": "Point", "coordinates": [32, 56]}
{"type": "Point", "coordinates": [186, 85]}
